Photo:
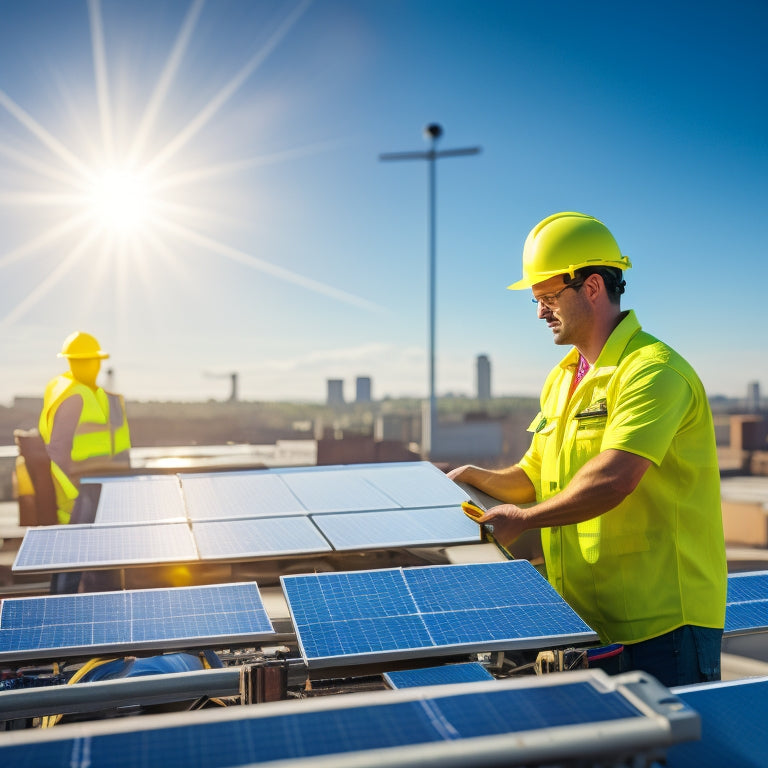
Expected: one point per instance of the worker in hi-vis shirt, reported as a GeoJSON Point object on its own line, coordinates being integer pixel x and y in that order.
{"type": "Point", "coordinates": [85, 431]}
{"type": "Point", "coordinates": [84, 428]}
{"type": "Point", "coordinates": [621, 475]}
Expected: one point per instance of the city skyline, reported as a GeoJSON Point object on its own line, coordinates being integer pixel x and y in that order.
{"type": "Point", "coordinates": [198, 185]}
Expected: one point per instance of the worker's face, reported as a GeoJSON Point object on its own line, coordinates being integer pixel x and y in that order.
{"type": "Point", "coordinates": [563, 307]}
{"type": "Point", "coordinates": [85, 371]}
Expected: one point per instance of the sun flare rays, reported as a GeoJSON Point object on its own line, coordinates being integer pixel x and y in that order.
{"type": "Point", "coordinates": [136, 205]}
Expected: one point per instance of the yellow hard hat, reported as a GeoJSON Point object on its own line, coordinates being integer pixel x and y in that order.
{"type": "Point", "coordinates": [82, 346]}
{"type": "Point", "coordinates": [565, 242]}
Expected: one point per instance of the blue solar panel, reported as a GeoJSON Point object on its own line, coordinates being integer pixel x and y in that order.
{"type": "Point", "coordinates": [37, 627]}
{"type": "Point", "coordinates": [63, 547]}
{"type": "Point", "coordinates": [227, 495]}
{"type": "Point", "coordinates": [733, 717]}
{"type": "Point", "coordinates": [471, 672]}
{"type": "Point", "coordinates": [397, 528]}
{"type": "Point", "coordinates": [140, 500]}
{"type": "Point", "coordinates": [747, 603]}
{"type": "Point", "coordinates": [345, 618]}
{"type": "Point", "coordinates": [533, 721]}
{"type": "Point", "coordinates": [258, 537]}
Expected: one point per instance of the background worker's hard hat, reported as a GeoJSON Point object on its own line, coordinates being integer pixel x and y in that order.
{"type": "Point", "coordinates": [565, 242]}
{"type": "Point", "coordinates": [82, 346]}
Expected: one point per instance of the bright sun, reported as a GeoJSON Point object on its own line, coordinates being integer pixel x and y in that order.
{"type": "Point", "coordinates": [121, 200]}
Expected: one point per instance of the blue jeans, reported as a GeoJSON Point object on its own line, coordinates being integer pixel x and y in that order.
{"type": "Point", "coordinates": [687, 655]}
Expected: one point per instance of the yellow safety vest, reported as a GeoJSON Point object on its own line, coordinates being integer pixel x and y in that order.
{"type": "Point", "coordinates": [657, 560]}
{"type": "Point", "coordinates": [101, 439]}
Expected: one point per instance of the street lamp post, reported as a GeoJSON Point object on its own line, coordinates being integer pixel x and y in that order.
{"type": "Point", "coordinates": [432, 132]}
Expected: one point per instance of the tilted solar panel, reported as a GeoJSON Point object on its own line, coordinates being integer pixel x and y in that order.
{"type": "Point", "coordinates": [471, 672]}
{"type": "Point", "coordinates": [140, 501]}
{"type": "Point", "coordinates": [524, 721]}
{"type": "Point", "coordinates": [746, 607]}
{"type": "Point", "coordinates": [347, 618]}
{"type": "Point", "coordinates": [414, 484]}
{"type": "Point", "coordinates": [228, 495]}
{"type": "Point", "coordinates": [397, 528]}
{"type": "Point", "coordinates": [733, 717]}
{"type": "Point", "coordinates": [39, 627]}
{"type": "Point", "coordinates": [258, 537]}
{"type": "Point", "coordinates": [335, 490]}
{"type": "Point", "coordinates": [74, 547]}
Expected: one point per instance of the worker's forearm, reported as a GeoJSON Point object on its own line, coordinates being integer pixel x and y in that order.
{"type": "Point", "coordinates": [599, 486]}
{"type": "Point", "coordinates": [510, 485]}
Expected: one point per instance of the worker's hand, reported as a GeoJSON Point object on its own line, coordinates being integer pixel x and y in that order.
{"type": "Point", "coordinates": [507, 521]}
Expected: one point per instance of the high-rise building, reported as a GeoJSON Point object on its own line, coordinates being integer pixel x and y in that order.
{"type": "Point", "coordinates": [363, 389]}
{"type": "Point", "coordinates": [335, 392]}
{"type": "Point", "coordinates": [483, 377]}
{"type": "Point", "coordinates": [753, 397]}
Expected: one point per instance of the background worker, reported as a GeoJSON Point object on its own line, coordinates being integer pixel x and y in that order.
{"type": "Point", "coordinates": [85, 429]}
{"type": "Point", "coordinates": [621, 475]}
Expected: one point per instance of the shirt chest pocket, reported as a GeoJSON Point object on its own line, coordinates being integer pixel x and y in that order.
{"type": "Point", "coordinates": [588, 436]}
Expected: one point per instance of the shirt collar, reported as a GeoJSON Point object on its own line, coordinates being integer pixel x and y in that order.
{"type": "Point", "coordinates": [617, 342]}
{"type": "Point", "coordinates": [615, 345]}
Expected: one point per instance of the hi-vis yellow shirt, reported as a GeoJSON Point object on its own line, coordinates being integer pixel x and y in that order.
{"type": "Point", "coordinates": [657, 560]}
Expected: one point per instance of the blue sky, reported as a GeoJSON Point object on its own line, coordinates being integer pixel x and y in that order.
{"type": "Point", "coordinates": [275, 243]}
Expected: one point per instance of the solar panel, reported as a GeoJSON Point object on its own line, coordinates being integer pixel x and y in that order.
{"type": "Point", "coordinates": [733, 716]}
{"type": "Point", "coordinates": [226, 495]}
{"type": "Point", "coordinates": [471, 672]}
{"type": "Point", "coordinates": [74, 547]}
{"type": "Point", "coordinates": [140, 500]}
{"type": "Point", "coordinates": [258, 537]}
{"type": "Point", "coordinates": [335, 490]}
{"type": "Point", "coordinates": [530, 720]}
{"type": "Point", "coordinates": [397, 528]}
{"type": "Point", "coordinates": [414, 484]}
{"type": "Point", "coordinates": [350, 617]}
{"type": "Point", "coordinates": [746, 607]}
{"type": "Point", "coordinates": [37, 627]}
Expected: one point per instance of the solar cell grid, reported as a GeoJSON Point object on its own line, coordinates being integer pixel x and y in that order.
{"type": "Point", "coordinates": [139, 501]}
{"type": "Point", "coordinates": [466, 587]}
{"type": "Point", "coordinates": [34, 627]}
{"type": "Point", "coordinates": [743, 587]}
{"type": "Point", "coordinates": [342, 617]}
{"type": "Point", "coordinates": [747, 603]}
{"type": "Point", "coordinates": [225, 495]}
{"type": "Point", "coordinates": [336, 491]}
{"type": "Point", "coordinates": [414, 484]}
{"type": "Point", "coordinates": [538, 722]}
{"type": "Point", "coordinates": [445, 674]}
{"type": "Point", "coordinates": [408, 504]}
{"type": "Point", "coordinates": [258, 537]}
{"type": "Point", "coordinates": [92, 546]}
{"type": "Point", "coordinates": [397, 528]}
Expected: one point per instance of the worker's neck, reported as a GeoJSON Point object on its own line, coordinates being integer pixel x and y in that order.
{"type": "Point", "coordinates": [603, 326]}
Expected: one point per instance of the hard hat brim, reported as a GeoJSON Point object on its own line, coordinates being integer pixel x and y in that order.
{"type": "Point", "coordinates": [528, 281]}
{"type": "Point", "coordinates": [84, 355]}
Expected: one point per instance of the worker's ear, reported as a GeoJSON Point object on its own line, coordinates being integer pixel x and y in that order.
{"type": "Point", "coordinates": [593, 286]}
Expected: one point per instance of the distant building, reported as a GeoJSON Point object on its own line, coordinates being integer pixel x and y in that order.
{"type": "Point", "coordinates": [753, 397]}
{"type": "Point", "coordinates": [483, 377]}
{"type": "Point", "coordinates": [363, 389]}
{"type": "Point", "coordinates": [335, 392]}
